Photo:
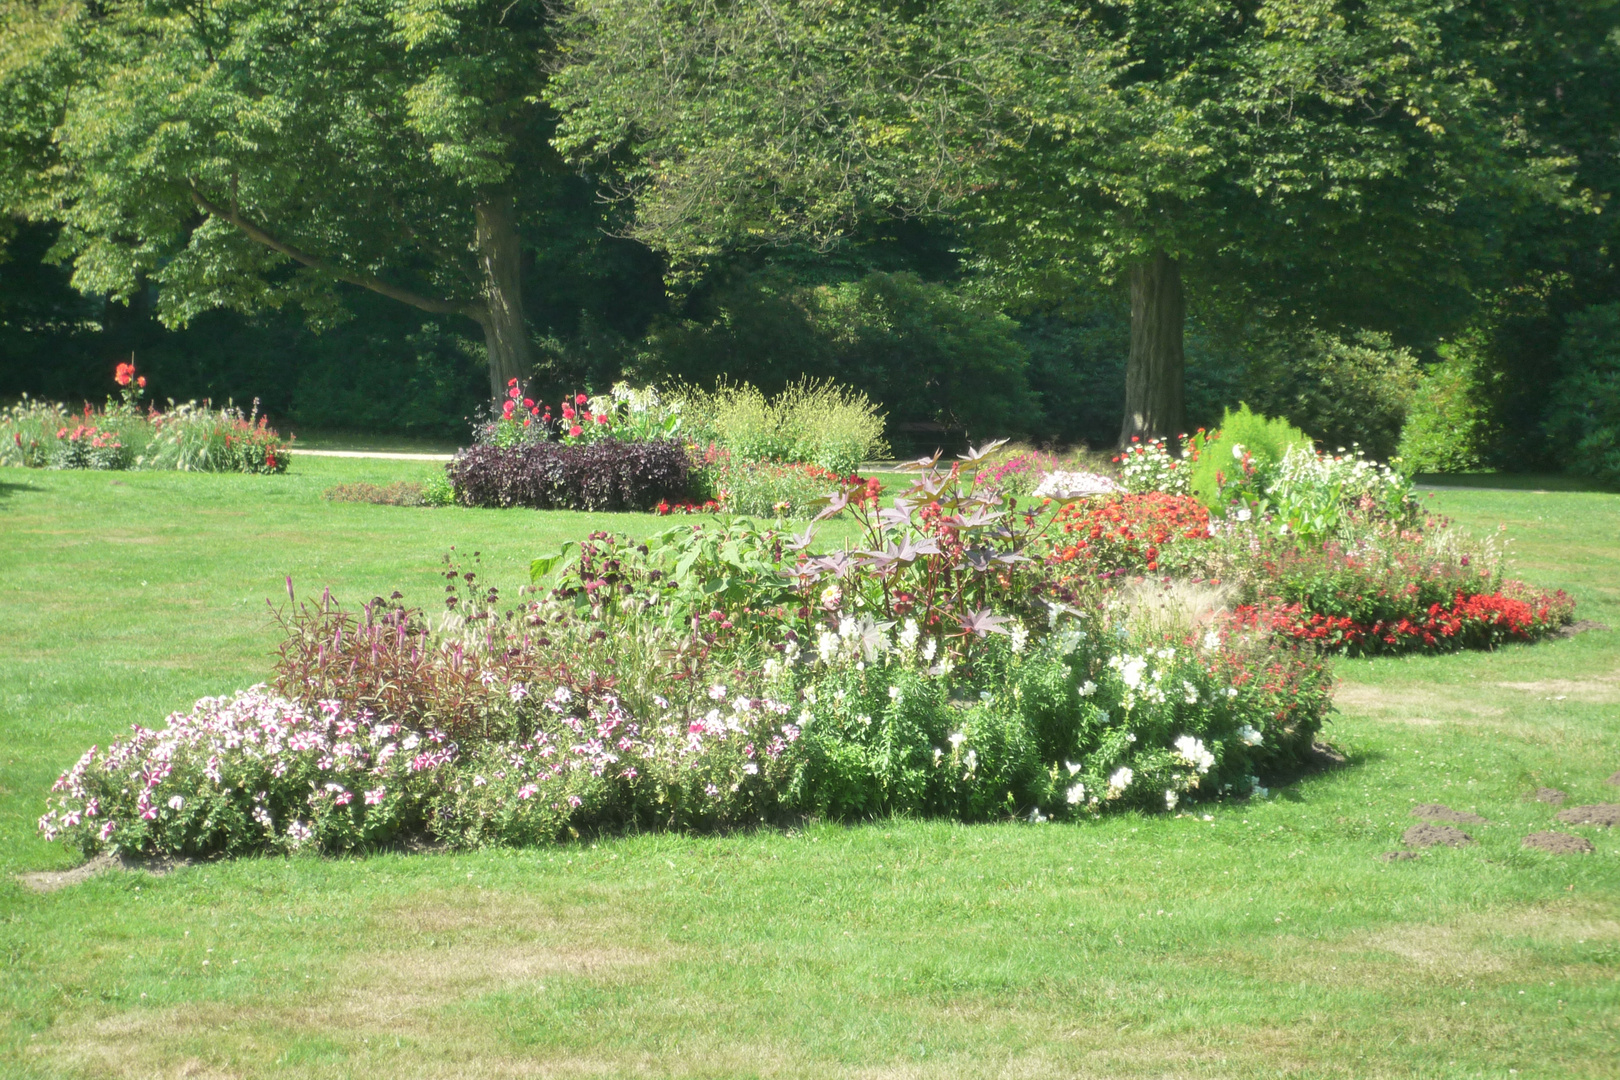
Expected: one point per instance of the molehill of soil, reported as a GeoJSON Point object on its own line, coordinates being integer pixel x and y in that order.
{"type": "Point", "coordinates": [1559, 843]}
{"type": "Point", "coordinates": [1400, 856]}
{"type": "Point", "coordinates": [1604, 814]}
{"type": "Point", "coordinates": [1427, 835]}
{"type": "Point", "coordinates": [1545, 794]}
{"type": "Point", "coordinates": [1440, 812]}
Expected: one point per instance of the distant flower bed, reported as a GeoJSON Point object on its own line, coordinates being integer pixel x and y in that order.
{"type": "Point", "coordinates": [604, 474]}
{"type": "Point", "coordinates": [126, 434]}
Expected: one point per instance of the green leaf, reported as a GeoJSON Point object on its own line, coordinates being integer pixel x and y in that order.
{"type": "Point", "coordinates": [545, 564]}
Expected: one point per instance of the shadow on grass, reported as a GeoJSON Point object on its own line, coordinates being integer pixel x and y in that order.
{"type": "Point", "coordinates": [1513, 482]}
{"type": "Point", "coordinates": [7, 490]}
{"type": "Point", "coordinates": [1322, 758]}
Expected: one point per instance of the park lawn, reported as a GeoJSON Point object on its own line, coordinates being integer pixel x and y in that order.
{"type": "Point", "coordinates": [1269, 940]}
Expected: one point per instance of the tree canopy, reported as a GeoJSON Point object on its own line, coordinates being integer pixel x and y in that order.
{"type": "Point", "coordinates": [249, 154]}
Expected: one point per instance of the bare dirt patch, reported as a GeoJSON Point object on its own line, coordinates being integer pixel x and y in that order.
{"type": "Point", "coordinates": [1598, 689]}
{"type": "Point", "coordinates": [1442, 812]}
{"type": "Point", "coordinates": [1614, 779]}
{"type": "Point", "coordinates": [1549, 795]}
{"type": "Point", "coordinates": [1580, 626]}
{"type": "Point", "coordinates": [1400, 856]}
{"type": "Point", "coordinates": [48, 881]}
{"type": "Point", "coordinates": [1427, 835]}
{"type": "Point", "coordinates": [1605, 814]}
{"type": "Point", "coordinates": [1559, 843]}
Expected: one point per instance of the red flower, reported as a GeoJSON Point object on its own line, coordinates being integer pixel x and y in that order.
{"type": "Point", "coordinates": [511, 382]}
{"type": "Point", "coordinates": [528, 403]}
{"type": "Point", "coordinates": [576, 430]}
{"type": "Point", "coordinates": [125, 373]}
{"type": "Point", "coordinates": [568, 413]}
{"type": "Point", "coordinates": [602, 418]}
{"type": "Point", "coordinates": [580, 399]}
{"type": "Point", "coordinates": [141, 382]}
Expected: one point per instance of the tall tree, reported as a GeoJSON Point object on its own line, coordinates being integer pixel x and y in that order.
{"type": "Point", "coordinates": [252, 153]}
{"type": "Point", "coordinates": [1291, 150]}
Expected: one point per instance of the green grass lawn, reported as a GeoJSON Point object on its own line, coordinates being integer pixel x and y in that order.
{"type": "Point", "coordinates": [1269, 940]}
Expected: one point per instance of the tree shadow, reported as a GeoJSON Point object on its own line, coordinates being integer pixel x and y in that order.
{"type": "Point", "coordinates": [1320, 759]}
{"type": "Point", "coordinates": [8, 490]}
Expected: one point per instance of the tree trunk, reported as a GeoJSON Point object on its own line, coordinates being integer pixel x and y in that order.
{"type": "Point", "coordinates": [1155, 373]}
{"type": "Point", "coordinates": [506, 334]}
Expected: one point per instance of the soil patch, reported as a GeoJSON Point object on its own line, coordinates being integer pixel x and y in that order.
{"type": "Point", "coordinates": [1604, 814]}
{"type": "Point", "coordinates": [1580, 626]}
{"type": "Point", "coordinates": [1441, 812]}
{"type": "Point", "coordinates": [1615, 779]}
{"type": "Point", "coordinates": [1400, 856]}
{"type": "Point", "coordinates": [1545, 794]}
{"type": "Point", "coordinates": [1559, 843]}
{"type": "Point", "coordinates": [48, 881]}
{"type": "Point", "coordinates": [1427, 835]}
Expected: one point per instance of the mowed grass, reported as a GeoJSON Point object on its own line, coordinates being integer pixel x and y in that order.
{"type": "Point", "coordinates": [1267, 941]}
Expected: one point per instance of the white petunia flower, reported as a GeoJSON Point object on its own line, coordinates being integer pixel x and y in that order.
{"type": "Point", "coordinates": [1118, 782]}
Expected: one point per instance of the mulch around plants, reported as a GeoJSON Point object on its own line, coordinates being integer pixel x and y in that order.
{"type": "Point", "coordinates": [1559, 843]}
{"type": "Point", "coordinates": [1605, 814]}
{"type": "Point", "coordinates": [1441, 812]}
{"type": "Point", "coordinates": [1428, 835]}
{"type": "Point", "coordinates": [1580, 626]}
{"type": "Point", "coordinates": [1545, 794]}
{"type": "Point", "coordinates": [1400, 856]}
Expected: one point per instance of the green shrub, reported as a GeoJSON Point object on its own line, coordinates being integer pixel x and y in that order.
{"type": "Point", "coordinates": [820, 423]}
{"type": "Point", "coordinates": [1265, 440]}
{"type": "Point", "coordinates": [1344, 391]}
{"type": "Point", "coordinates": [1448, 426]}
{"type": "Point", "coordinates": [1584, 414]}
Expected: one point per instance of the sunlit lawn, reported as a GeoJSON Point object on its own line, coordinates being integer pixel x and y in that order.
{"type": "Point", "coordinates": [1267, 941]}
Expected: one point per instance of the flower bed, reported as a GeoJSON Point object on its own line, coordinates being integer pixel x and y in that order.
{"type": "Point", "coordinates": [127, 435]}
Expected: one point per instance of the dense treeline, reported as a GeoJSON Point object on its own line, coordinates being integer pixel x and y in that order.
{"type": "Point", "coordinates": [1364, 217]}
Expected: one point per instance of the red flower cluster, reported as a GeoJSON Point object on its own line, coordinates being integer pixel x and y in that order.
{"type": "Point", "coordinates": [665, 508]}
{"type": "Point", "coordinates": [1480, 619]}
{"type": "Point", "coordinates": [126, 374]}
{"type": "Point", "coordinates": [1119, 531]}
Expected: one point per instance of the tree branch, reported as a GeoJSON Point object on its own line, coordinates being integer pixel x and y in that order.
{"type": "Point", "coordinates": [364, 281]}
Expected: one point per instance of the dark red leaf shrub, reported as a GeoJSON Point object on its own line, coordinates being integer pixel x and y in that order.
{"type": "Point", "coordinates": [604, 475]}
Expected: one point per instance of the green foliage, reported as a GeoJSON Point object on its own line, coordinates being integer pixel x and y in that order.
{"type": "Point", "coordinates": [819, 422]}
{"type": "Point", "coordinates": [1449, 424]}
{"type": "Point", "coordinates": [1343, 391]}
{"type": "Point", "coordinates": [1245, 441]}
{"type": "Point", "coordinates": [1584, 416]}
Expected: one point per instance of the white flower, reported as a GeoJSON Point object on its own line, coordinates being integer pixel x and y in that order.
{"type": "Point", "coordinates": [1231, 691]}
{"type": "Point", "coordinates": [847, 627]}
{"type": "Point", "coordinates": [751, 768]}
{"type": "Point", "coordinates": [827, 646]}
{"type": "Point", "coordinates": [972, 760]}
{"type": "Point", "coordinates": [1102, 717]}
{"type": "Point", "coordinates": [563, 695]}
{"type": "Point", "coordinates": [1118, 782]}
{"type": "Point", "coordinates": [298, 833]}
{"type": "Point", "coordinates": [1244, 514]}
{"type": "Point", "coordinates": [894, 693]}
{"type": "Point", "coordinates": [1036, 817]}
{"type": "Point", "coordinates": [810, 694]}
{"type": "Point", "coordinates": [1132, 671]}
{"type": "Point", "coordinates": [1019, 637]}
{"type": "Point", "coordinates": [411, 742]}
{"type": "Point", "coordinates": [1250, 735]}
{"type": "Point", "coordinates": [773, 668]}
{"type": "Point", "coordinates": [1076, 794]}
{"type": "Point", "coordinates": [1072, 767]}
{"type": "Point", "coordinates": [1170, 799]}
{"type": "Point", "coordinates": [717, 692]}
{"type": "Point", "coordinates": [742, 704]}
{"type": "Point", "coordinates": [838, 697]}
{"type": "Point", "coordinates": [1195, 753]}
{"type": "Point", "coordinates": [1237, 451]}
{"type": "Point", "coordinates": [956, 740]}
{"type": "Point", "coordinates": [1087, 688]}
{"type": "Point", "coordinates": [831, 596]}
{"type": "Point", "coordinates": [1191, 691]}
{"type": "Point", "coordinates": [909, 635]}
{"type": "Point", "coordinates": [517, 692]}
{"type": "Point", "coordinates": [1130, 736]}
{"type": "Point", "coordinates": [984, 695]}
{"type": "Point", "coordinates": [479, 781]}
{"type": "Point", "coordinates": [176, 802]}
{"type": "Point", "coordinates": [1212, 641]}
{"type": "Point", "coordinates": [805, 716]}
{"type": "Point", "coordinates": [929, 649]}
{"type": "Point", "coordinates": [938, 753]}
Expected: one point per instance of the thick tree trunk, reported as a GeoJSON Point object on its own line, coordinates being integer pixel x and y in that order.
{"type": "Point", "coordinates": [506, 334]}
{"type": "Point", "coordinates": [1155, 373]}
